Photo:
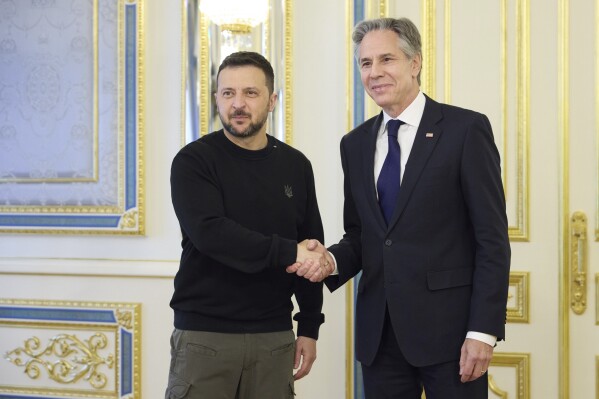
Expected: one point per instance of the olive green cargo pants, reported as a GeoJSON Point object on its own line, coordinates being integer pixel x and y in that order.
{"type": "Point", "coordinates": [207, 365]}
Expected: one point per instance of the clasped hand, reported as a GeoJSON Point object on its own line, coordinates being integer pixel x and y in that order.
{"type": "Point", "coordinates": [313, 261]}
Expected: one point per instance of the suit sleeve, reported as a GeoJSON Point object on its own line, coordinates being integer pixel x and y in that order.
{"type": "Point", "coordinates": [483, 192]}
{"type": "Point", "coordinates": [348, 252]}
{"type": "Point", "coordinates": [309, 295]}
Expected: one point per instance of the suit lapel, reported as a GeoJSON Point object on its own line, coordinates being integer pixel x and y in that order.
{"type": "Point", "coordinates": [427, 136]}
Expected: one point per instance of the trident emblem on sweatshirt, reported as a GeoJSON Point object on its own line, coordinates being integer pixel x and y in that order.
{"type": "Point", "coordinates": [288, 191]}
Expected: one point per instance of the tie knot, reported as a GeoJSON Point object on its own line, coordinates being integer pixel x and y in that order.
{"type": "Point", "coordinates": [393, 127]}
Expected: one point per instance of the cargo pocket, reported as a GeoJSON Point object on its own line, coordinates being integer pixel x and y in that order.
{"type": "Point", "coordinates": [177, 387]}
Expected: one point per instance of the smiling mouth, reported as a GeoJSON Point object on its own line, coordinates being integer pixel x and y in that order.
{"type": "Point", "coordinates": [378, 88]}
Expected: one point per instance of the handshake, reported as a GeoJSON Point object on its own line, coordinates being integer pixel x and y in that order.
{"type": "Point", "coordinates": [313, 261]}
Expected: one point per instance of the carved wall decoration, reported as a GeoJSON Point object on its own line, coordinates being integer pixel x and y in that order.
{"type": "Point", "coordinates": [80, 350]}
{"type": "Point", "coordinates": [520, 365]}
{"type": "Point", "coordinates": [65, 357]}
{"type": "Point", "coordinates": [518, 298]}
{"type": "Point", "coordinates": [495, 389]}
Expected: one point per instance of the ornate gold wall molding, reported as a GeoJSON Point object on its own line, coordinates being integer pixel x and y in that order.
{"type": "Point", "coordinates": [349, 286]}
{"type": "Point", "coordinates": [521, 363]}
{"type": "Point", "coordinates": [519, 231]}
{"type": "Point", "coordinates": [597, 299]}
{"type": "Point", "coordinates": [104, 203]}
{"type": "Point", "coordinates": [447, 52]}
{"type": "Point", "coordinates": [596, 117]}
{"type": "Point", "coordinates": [66, 359]}
{"type": "Point", "coordinates": [597, 377]}
{"type": "Point", "coordinates": [563, 117]}
{"type": "Point", "coordinates": [62, 348]}
{"type": "Point", "coordinates": [519, 298]}
{"type": "Point", "coordinates": [496, 390]}
{"type": "Point", "coordinates": [429, 47]}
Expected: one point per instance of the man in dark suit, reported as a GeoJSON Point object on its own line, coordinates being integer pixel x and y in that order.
{"type": "Point", "coordinates": [434, 251]}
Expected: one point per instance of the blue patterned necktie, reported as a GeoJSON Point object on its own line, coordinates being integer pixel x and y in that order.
{"type": "Point", "coordinates": [389, 178]}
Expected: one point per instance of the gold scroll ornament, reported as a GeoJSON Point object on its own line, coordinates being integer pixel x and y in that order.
{"type": "Point", "coordinates": [578, 262]}
{"type": "Point", "coordinates": [66, 359]}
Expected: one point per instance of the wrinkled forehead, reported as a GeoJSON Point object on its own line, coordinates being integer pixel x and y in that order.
{"type": "Point", "coordinates": [241, 76]}
{"type": "Point", "coordinates": [377, 43]}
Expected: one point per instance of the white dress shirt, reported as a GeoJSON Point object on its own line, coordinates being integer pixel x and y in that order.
{"type": "Point", "coordinates": [411, 117]}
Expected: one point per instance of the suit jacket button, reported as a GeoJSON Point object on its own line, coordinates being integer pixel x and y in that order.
{"type": "Point", "coordinates": [388, 243]}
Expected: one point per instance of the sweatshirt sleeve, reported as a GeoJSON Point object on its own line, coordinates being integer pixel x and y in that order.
{"type": "Point", "coordinates": [198, 204]}
{"type": "Point", "coordinates": [309, 295]}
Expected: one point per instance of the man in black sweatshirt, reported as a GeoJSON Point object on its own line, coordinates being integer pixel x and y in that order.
{"type": "Point", "coordinates": [243, 200]}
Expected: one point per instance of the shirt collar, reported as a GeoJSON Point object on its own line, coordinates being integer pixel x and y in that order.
{"type": "Point", "coordinates": [411, 115]}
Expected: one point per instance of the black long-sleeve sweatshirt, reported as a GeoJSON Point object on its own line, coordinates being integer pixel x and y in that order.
{"type": "Point", "coordinates": [241, 214]}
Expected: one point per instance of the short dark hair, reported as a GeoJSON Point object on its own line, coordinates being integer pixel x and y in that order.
{"type": "Point", "coordinates": [250, 58]}
{"type": "Point", "coordinates": [409, 37]}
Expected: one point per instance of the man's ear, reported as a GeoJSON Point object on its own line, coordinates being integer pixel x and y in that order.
{"type": "Point", "coordinates": [416, 64]}
{"type": "Point", "coordinates": [272, 101]}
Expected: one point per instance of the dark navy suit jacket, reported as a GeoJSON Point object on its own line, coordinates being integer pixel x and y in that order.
{"type": "Point", "coordinates": [441, 266]}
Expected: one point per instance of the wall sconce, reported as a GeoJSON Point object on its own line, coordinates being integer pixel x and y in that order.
{"type": "Point", "coordinates": [213, 29]}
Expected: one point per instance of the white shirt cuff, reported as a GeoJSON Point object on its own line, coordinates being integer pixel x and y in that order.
{"type": "Point", "coordinates": [486, 338]}
{"type": "Point", "coordinates": [335, 271]}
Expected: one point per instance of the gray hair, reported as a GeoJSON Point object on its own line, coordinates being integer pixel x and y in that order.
{"type": "Point", "coordinates": [409, 37]}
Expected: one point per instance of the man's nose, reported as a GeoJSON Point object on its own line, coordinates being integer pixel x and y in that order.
{"type": "Point", "coordinates": [375, 70]}
{"type": "Point", "coordinates": [239, 101]}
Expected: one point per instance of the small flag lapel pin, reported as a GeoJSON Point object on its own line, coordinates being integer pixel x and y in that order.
{"type": "Point", "coordinates": [429, 135]}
